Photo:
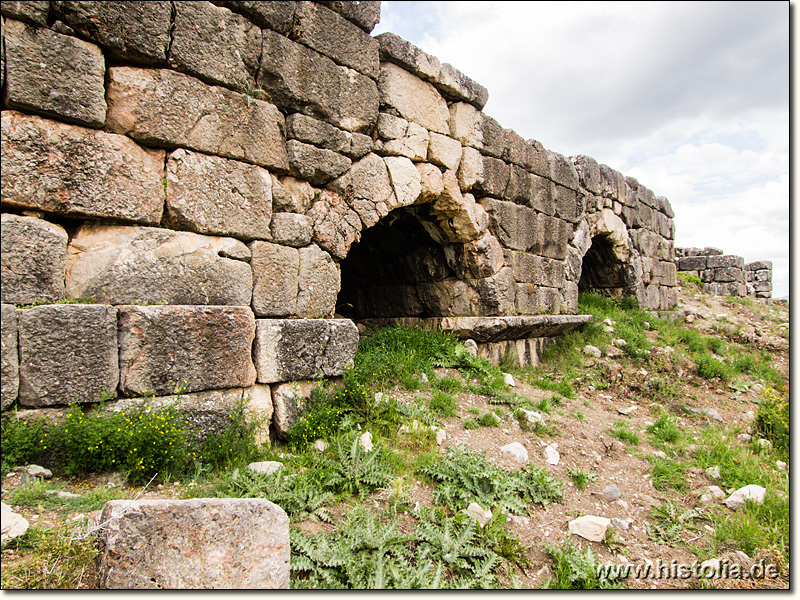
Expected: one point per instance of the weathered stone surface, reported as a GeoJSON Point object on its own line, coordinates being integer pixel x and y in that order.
{"type": "Point", "coordinates": [328, 33]}
{"type": "Point", "coordinates": [140, 265]}
{"type": "Point", "coordinates": [33, 259]}
{"type": "Point", "coordinates": [14, 525]}
{"type": "Point", "coordinates": [567, 204]}
{"type": "Point", "coordinates": [715, 262]}
{"type": "Point", "coordinates": [53, 74]}
{"type": "Point", "coordinates": [692, 263]}
{"type": "Point", "coordinates": [275, 279]}
{"type": "Point", "coordinates": [483, 175]}
{"type": "Point", "coordinates": [478, 258]}
{"type": "Point", "coordinates": [416, 100]}
{"type": "Point", "coordinates": [759, 265]}
{"type": "Point", "coordinates": [298, 79]}
{"type": "Point", "coordinates": [755, 493]}
{"type": "Point", "coordinates": [515, 226]}
{"type": "Point", "coordinates": [562, 171]}
{"type": "Point", "coordinates": [536, 300]}
{"type": "Point", "coordinates": [460, 217]}
{"type": "Point", "coordinates": [31, 11]}
{"type": "Point", "coordinates": [290, 229]}
{"type": "Point", "coordinates": [517, 451]}
{"type": "Point", "coordinates": [454, 85]}
{"type": "Point", "coordinates": [590, 527]}
{"type": "Point", "coordinates": [318, 283]}
{"type": "Point", "coordinates": [222, 543]}
{"type": "Point", "coordinates": [553, 235]}
{"type": "Point", "coordinates": [71, 170]}
{"type": "Point", "coordinates": [589, 174]}
{"type": "Point", "coordinates": [201, 347]}
{"type": "Point", "coordinates": [215, 44]}
{"type": "Point", "coordinates": [368, 189]}
{"type": "Point", "coordinates": [138, 31]}
{"type": "Point", "coordinates": [67, 353]}
{"type": "Point", "coordinates": [336, 225]}
{"type": "Point", "coordinates": [366, 13]}
{"type": "Point", "coordinates": [406, 180]}
{"type": "Point", "coordinates": [431, 182]}
{"type": "Point", "coordinates": [289, 400]}
{"type": "Point", "coordinates": [444, 151]}
{"type": "Point", "coordinates": [318, 133]}
{"type": "Point", "coordinates": [218, 196]}
{"type": "Point", "coordinates": [163, 108]}
{"type": "Point", "coordinates": [276, 14]}
{"type": "Point", "coordinates": [396, 50]}
{"type": "Point", "coordinates": [317, 165]}
{"type": "Point", "coordinates": [9, 357]}
{"type": "Point", "coordinates": [291, 349]}
{"type": "Point", "coordinates": [474, 129]}
{"type": "Point", "coordinates": [400, 138]}
{"type": "Point", "coordinates": [538, 270]}
{"type": "Point", "coordinates": [291, 195]}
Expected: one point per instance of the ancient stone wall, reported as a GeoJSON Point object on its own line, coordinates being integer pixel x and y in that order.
{"type": "Point", "coordinates": [726, 275]}
{"type": "Point", "coordinates": [212, 186]}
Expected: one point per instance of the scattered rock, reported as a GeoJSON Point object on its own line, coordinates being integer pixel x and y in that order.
{"type": "Point", "coordinates": [267, 467]}
{"type": "Point", "coordinates": [713, 472]}
{"type": "Point", "coordinates": [716, 492]}
{"type": "Point", "coordinates": [749, 492]}
{"type": "Point", "coordinates": [619, 342]}
{"type": "Point", "coordinates": [518, 451]}
{"type": "Point", "coordinates": [62, 494]}
{"type": "Point", "coordinates": [622, 524]}
{"type": "Point", "coordinates": [320, 446]}
{"type": "Point", "coordinates": [781, 465]}
{"type": "Point", "coordinates": [613, 352]}
{"type": "Point", "coordinates": [533, 417]}
{"type": "Point", "coordinates": [627, 411]}
{"type": "Point", "coordinates": [441, 436]}
{"type": "Point", "coordinates": [745, 437]}
{"type": "Point", "coordinates": [37, 471]}
{"type": "Point", "coordinates": [480, 514]}
{"type": "Point", "coordinates": [366, 442]}
{"type": "Point", "coordinates": [622, 504]}
{"type": "Point", "coordinates": [611, 493]}
{"type": "Point", "coordinates": [552, 455]}
{"type": "Point", "coordinates": [764, 443]}
{"type": "Point", "coordinates": [712, 413]}
{"type": "Point", "coordinates": [13, 524]}
{"type": "Point", "coordinates": [590, 527]}
{"type": "Point", "coordinates": [660, 454]}
{"type": "Point", "coordinates": [508, 379]}
{"type": "Point", "coordinates": [471, 347]}
{"type": "Point", "coordinates": [423, 378]}
{"type": "Point", "coordinates": [592, 351]}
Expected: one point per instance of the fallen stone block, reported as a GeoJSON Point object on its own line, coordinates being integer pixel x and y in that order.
{"type": "Point", "coordinates": [221, 543]}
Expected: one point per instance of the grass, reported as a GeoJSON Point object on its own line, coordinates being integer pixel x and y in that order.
{"type": "Point", "coordinates": [581, 478]}
{"type": "Point", "coordinates": [665, 430]}
{"type": "Point", "coordinates": [622, 431]}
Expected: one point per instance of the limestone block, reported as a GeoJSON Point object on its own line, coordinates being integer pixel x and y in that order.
{"type": "Point", "coordinates": [291, 195]}
{"type": "Point", "coordinates": [276, 15]}
{"type": "Point", "coordinates": [515, 226]}
{"type": "Point", "coordinates": [67, 353]}
{"type": "Point", "coordinates": [290, 229]}
{"type": "Point", "coordinates": [496, 293]}
{"type": "Point", "coordinates": [289, 399]}
{"type": "Point", "coordinates": [728, 274]}
{"type": "Point", "coordinates": [366, 13]}
{"type": "Point", "coordinates": [292, 349]}
{"type": "Point", "coordinates": [431, 182]}
{"type": "Point", "coordinates": [336, 225]}
{"type": "Point", "coordinates": [215, 44]}
{"type": "Point", "coordinates": [711, 251]}
{"type": "Point", "coordinates": [562, 171]}
{"type": "Point", "coordinates": [316, 165]}
{"type": "Point", "coordinates": [567, 204]}
{"type": "Point", "coordinates": [664, 225]}
{"type": "Point", "coordinates": [762, 286]}
{"type": "Point", "coordinates": [31, 11]}
{"type": "Point", "coordinates": [537, 300]}
{"type": "Point", "coordinates": [298, 79]}
{"type": "Point", "coordinates": [139, 265]}
{"type": "Point", "coordinates": [202, 347]}
{"type": "Point", "coordinates": [396, 50]}
{"type": "Point", "coordinates": [311, 131]}
{"type": "Point", "coordinates": [398, 137]}
{"type": "Point", "coordinates": [456, 86]}
{"type": "Point", "coordinates": [589, 174]}
{"type": "Point", "coordinates": [164, 108]}
{"type": "Point", "coordinates": [275, 279]}
{"type": "Point", "coordinates": [604, 222]}
{"type": "Point", "coordinates": [360, 145]}
{"type": "Point", "coordinates": [222, 543]}
{"type": "Point", "coordinates": [406, 181]}
{"type": "Point", "coordinates": [570, 298]}
{"type": "Point", "coordinates": [449, 297]}
{"type": "Point", "coordinates": [665, 273]}
{"type": "Point", "coordinates": [492, 178]}
{"type": "Point", "coordinates": [653, 245]}
{"type": "Point", "coordinates": [444, 151]}
{"type": "Point", "coordinates": [613, 184]}
{"type": "Point", "coordinates": [729, 260]}
{"type": "Point", "coordinates": [367, 188]}
{"type": "Point", "coordinates": [460, 217]}
{"type": "Point", "coordinates": [416, 100]}
{"type": "Point", "coordinates": [542, 195]}
{"type": "Point", "coordinates": [552, 237]}
{"type": "Point", "coordinates": [318, 283]}
{"type": "Point", "coordinates": [519, 187]}
{"type": "Point", "coordinates": [477, 130]}
{"type": "Point", "coordinates": [470, 168]}
{"type": "Point", "coordinates": [218, 196]}
{"type": "Point", "coordinates": [476, 259]}
{"type": "Point", "coordinates": [665, 207]}
{"type": "Point", "coordinates": [71, 170]}
{"type": "Point", "coordinates": [53, 74]}
{"type": "Point", "coordinates": [692, 263]}
{"type": "Point", "coordinates": [573, 265]}
{"type": "Point", "coordinates": [529, 268]}
{"type": "Point", "coordinates": [759, 265]}
{"type": "Point", "coordinates": [33, 259]}
{"type": "Point", "coordinates": [516, 151]}
{"type": "Point", "coordinates": [328, 33]}
{"type": "Point", "coordinates": [9, 357]}
{"type": "Point", "coordinates": [260, 408]}
{"type": "Point", "coordinates": [139, 31]}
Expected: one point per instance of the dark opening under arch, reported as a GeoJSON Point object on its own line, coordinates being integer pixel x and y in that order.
{"type": "Point", "coordinates": [603, 272]}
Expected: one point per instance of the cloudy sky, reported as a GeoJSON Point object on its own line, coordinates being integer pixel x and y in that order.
{"type": "Point", "coordinates": [691, 98]}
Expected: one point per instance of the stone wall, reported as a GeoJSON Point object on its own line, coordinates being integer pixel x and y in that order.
{"type": "Point", "coordinates": [211, 186]}
{"type": "Point", "coordinates": [726, 275]}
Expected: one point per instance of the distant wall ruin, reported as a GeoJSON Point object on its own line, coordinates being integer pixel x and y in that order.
{"type": "Point", "coordinates": [726, 274]}
{"type": "Point", "coordinates": [225, 181]}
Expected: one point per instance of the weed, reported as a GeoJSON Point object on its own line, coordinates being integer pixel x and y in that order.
{"type": "Point", "coordinates": [581, 478]}
{"type": "Point", "coordinates": [665, 430]}
{"type": "Point", "coordinates": [355, 470]}
{"type": "Point", "coordinates": [670, 522]}
{"type": "Point", "coordinates": [621, 431]}
{"type": "Point", "coordinates": [443, 404]}
{"type": "Point", "coordinates": [668, 474]}
{"type": "Point", "coordinates": [576, 569]}
{"type": "Point", "coordinates": [772, 420]}
{"type": "Point", "coordinates": [236, 445]}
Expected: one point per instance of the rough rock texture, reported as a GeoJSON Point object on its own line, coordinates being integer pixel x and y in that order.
{"type": "Point", "coordinates": [365, 13]}
{"type": "Point", "coordinates": [33, 259]}
{"type": "Point", "coordinates": [168, 109]}
{"type": "Point", "coordinates": [14, 524]}
{"type": "Point", "coordinates": [297, 79]}
{"type": "Point", "coordinates": [289, 349]}
{"type": "Point", "coordinates": [147, 265]}
{"type": "Point", "coordinates": [67, 353]}
{"type": "Point", "coordinates": [276, 14]}
{"type": "Point", "coordinates": [590, 527]}
{"type": "Point", "coordinates": [218, 196]}
{"type": "Point", "coordinates": [416, 100]}
{"type": "Point", "coordinates": [288, 400]}
{"type": "Point", "coordinates": [215, 44]}
{"type": "Point", "coordinates": [290, 229]}
{"type": "Point", "coordinates": [75, 171]}
{"type": "Point", "coordinates": [135, 30]}
{"type": "Point", "coordinates": [199, 347]}
{"type": "Point", "coordinates": [316, 165]}
{"type": "Point", "coordinates": [9, 357]}
{"type": "Point", "coordinates": [54, 74]}
{"type": "Point", "coordinates": [31, 11]}
{"type": "Point", "coordinates": [221, 543]}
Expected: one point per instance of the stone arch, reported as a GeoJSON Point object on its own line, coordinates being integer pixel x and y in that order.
{"type": "Point", "coordinates": [607, 264]}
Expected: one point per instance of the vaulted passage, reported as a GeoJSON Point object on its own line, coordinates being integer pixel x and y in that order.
{"type": "Point", "coordinates": [603, 272]}
{"type": "Point", "coordinates": [386, 274]}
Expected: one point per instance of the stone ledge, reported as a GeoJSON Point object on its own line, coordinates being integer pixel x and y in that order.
{"type": "Point", "coordinates": [492, 329]}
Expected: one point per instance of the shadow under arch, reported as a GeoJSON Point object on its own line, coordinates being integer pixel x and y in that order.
{"type": "Point", "coordinates": [603, 272]}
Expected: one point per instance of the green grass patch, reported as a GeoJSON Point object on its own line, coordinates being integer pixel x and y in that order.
{"type": "Point", "coordinates": [622, 431]}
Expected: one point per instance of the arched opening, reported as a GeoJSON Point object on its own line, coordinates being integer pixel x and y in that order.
{"type": "Point", "coordinates": [383, 272]}
{"type": "Point", "coordinates": [603, 272]}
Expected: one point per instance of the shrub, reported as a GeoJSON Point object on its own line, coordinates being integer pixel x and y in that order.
{"type": "Point", "coordinates": [236, 444]}
{"type": "Point", "coordinates": [772, 420]}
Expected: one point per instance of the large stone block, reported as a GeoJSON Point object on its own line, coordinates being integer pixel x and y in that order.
{"type": "Point", "coordinates": [552, 237]}
{"type": "Point", "coordinates": [515, 226]}
{"type": "Point", "coordinates": [71, 170]}
{"type": "Point", "coordinates": [399, 137]}
{"type": "Point", "coordinates": [692, 263]}
{"type": "Point", "coordinates": [289, 400]}
{"type": "Point", "coordinates": [759, 265]}
{"type": "Point", "coordinates": [275, 279]}
{"type": "Point", "coordinates": [473, 128]}
{"type": "Point", "coordinates": [292, 349]}
{"type": "Point", "coordinates": [444, 151]}
{"type": "Point", "coordinates": [218, 196]}
{"type": "Point", "coordinates": [290, 229]}
{"type": "Point", "coordinates": [542, 195]}
{"type": "Point", "coordinates": [529, 268]}
{"type": "Point", "coordinates": [137, 31]}
{"type": "Point", "coordinates": [9, 356]}
{"type": "Point", "coordinates": [406, 180]}
{"type": "Point", "coordinates": [328, 33]}
{"type": "Point", "coordinates": [318, 133]}
{"type": "Point", "coordinates": [54, 74]}
{"type": "Point", "coordinates": [366, 13]}
{"type": "Point", "coordinates": [461, 219]}
{"type": "Point", "coordinates": [215, 44]}
{"type": "Point", "coordinates": [163, 108]}
{"type": "Point", "coordinates": [537, 300]}
{"type": "Point", "coordinates": [221, 543]}
{"type": "Point", "coordinates": [276, 14]}
{"type": "Point", "coordinates": [456, 86]}
{"type": "Point", "coordinates": [613, 184]}
{"type": "Point", "coordinates": [146, 265]}
{"type": "Point", "coordinates": [336, 225]}
{"type": "Point", "coordinates": [567, 204]}
{"type": "Point", "coordinates": [589, 174]}
{"type": "Point", "coordinates": [33, 259]}
{"type": "Point", "coordinates": [403, 53]}
{"type": "Point", "coordinates": [316, 165]}
{"type": "Point", "coordinates": [728, 260]}
{"type": "Point", "coordinates": [299, 79]}
{"type": "Point", "coordinates": [67, 353]}
{"type": "Point", "coordinates": [368, 189]}
{"type": "Point", "coordinates": [318, 283]}
{"type": "Point", "coordinates": [31, 11]}
{"type": "Point", "coordinates": [562, 171]}
{"type": "Point", "coordinates": [483, 175]}
{"type": "Point", "coordinates": [416, 100]}
{"type": "Point", "coordinates": [728, 274]}
{"type": "Point", "coordinates": [201, 347]}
